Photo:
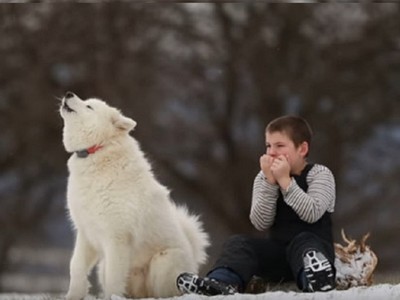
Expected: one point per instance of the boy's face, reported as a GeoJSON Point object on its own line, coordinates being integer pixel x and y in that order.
{"type": "Point", "coordinates": [279, 143]}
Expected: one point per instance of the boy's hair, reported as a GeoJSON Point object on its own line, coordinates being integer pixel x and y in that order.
{"type": "Point", "coordinates": [297, 129]}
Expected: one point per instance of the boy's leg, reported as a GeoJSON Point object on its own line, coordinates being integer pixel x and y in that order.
{"type": "Point", "coordinates": [248, 256]}
{"type": "Point", "coordinates": [221, 280]}
{"type": "Point", "coordinates": [241, 258]}
{"type": "Point", "coordinates": [312, 261]}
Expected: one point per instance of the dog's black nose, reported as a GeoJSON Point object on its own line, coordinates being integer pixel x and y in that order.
{"type": "Point", "coordinates": [69, 95]}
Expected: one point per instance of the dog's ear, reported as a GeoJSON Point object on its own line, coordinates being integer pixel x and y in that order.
{"type": "Point", "coordinates": [124, 123]}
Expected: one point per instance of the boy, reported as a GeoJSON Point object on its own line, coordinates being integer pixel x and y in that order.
{"type": "Point", "coordinates": [294, 201]}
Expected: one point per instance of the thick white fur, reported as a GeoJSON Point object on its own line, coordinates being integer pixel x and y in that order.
{"type": "Point", "coordinates": [124, 219]}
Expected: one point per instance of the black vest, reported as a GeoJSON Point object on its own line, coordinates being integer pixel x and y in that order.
{"type": "Point", "coordinates": [287, 223]}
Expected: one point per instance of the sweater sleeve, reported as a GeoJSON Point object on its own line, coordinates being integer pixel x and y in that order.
{"type": "Point", "coordinates": [319, 198]}
{"type": "Point", "coordinates": [263, 204]}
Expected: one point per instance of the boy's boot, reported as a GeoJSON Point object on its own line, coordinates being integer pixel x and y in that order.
{"type": "Point", "coordinates": [189, 283]}
{"type": "Point", "coordinates": [318, 272]}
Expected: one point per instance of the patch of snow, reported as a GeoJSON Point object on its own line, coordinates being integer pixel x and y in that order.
{"type": "Point", "coordinates": [379, 291]}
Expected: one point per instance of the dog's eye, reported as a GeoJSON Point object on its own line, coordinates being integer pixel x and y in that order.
{"type": "Point", "coordinates": [88, 106]}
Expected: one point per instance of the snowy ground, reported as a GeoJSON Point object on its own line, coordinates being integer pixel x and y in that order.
{"type": "Point", "coordinates": [379, 291]}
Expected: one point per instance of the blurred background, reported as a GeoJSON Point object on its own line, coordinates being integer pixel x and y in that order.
{"type": "Point", "coordinates": [202, 81]}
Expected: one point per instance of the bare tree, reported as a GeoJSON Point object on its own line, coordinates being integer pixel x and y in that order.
{"type": "Point", "coordinates": [202, 80]}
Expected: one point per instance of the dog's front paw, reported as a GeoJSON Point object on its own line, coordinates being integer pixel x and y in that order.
{"type": "Point", "coordinates": [78, 289]}
{"type": "Point", "coordinates": [72, 297]}
{"type": "Point", "coordinates": [75, 295]}
{"type": "Point", "coordinates": [113, 296]}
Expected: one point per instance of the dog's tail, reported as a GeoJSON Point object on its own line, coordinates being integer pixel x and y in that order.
{"type": "Point", "coordinates": [193, 228]}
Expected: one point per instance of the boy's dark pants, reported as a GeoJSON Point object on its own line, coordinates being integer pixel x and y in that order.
{"type": "Point", "coordinates": [272, 260]}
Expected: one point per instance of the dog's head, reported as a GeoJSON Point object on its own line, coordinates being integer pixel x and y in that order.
{"type": "Point", "coordinates": [90, 122]}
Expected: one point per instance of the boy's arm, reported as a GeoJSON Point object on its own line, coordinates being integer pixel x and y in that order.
{"type": "Point", "coordinates": [263, 203]}
{"type": "Point", "coordinates": [319, 198]}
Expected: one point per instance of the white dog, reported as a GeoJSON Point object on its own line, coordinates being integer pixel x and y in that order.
{"type": "Point", "coordinates": [124, 219]}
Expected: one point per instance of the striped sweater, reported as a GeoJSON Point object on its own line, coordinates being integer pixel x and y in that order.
{"type": "Point", "coordinates": [310, 206]}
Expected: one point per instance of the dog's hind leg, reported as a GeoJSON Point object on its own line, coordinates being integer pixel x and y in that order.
{"type": "Point", "coordinates": [165, 266]}
{"type": "Point", "coordinates": [82, 261]}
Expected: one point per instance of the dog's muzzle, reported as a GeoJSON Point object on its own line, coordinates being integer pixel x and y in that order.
{"type": "Point", "coordinates": [66, 107]}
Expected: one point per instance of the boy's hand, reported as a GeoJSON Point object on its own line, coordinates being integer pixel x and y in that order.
{"type": "Point", "coordinates": [266, 162]}
{"type": "Point", "coordinates": [280, 169]}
